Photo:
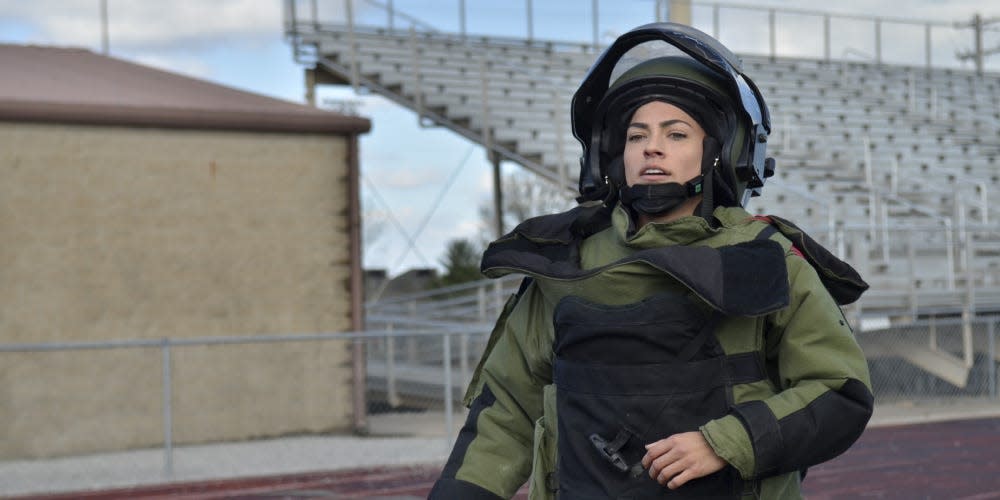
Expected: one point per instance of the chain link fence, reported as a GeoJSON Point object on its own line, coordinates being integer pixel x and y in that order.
{"type": "Point", "coordinates": [935, 359]}
{"type": "Point", "coordinates": [421, 351]}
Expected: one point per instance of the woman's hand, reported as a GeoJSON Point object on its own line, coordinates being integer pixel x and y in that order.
{"type": "Point", "coordinates": [680, 458]}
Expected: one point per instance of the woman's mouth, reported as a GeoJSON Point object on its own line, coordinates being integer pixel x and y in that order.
{"type": "Point", "coordinates": [653, 172]}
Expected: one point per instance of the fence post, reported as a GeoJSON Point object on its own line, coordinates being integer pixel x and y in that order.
{"type": "Point", "coordinates": [911, 255]}
{"type": "Point", "coordinates": [530, 20]}
{"type": "Point", "coordinates": [826, 37]}
{"type": "Point", "coordinates": [463, 358]}
{"type": "Point", "coordinates": [878, 41]}
{"type": "Point", "coordinates": [772, 32]}
{"type": "Point", "coordinates": [392, 394]}
{"type": "Point", "coordinates": [168, 423]}
{"type": "Point", "coordinates": [927, 44]}
{"type": "Point", "coordinates": [596, 24]}
{"type": "Point", "coordinates": [449, 417]}
{"type": "Point", "coordinates": [715, 21]}
{"type": "Point", "coordinates": [992, 367]}
{"type": "Point", "coordinates": [461, 18]}
{"type": "Point", "coordinates": [411, 340]}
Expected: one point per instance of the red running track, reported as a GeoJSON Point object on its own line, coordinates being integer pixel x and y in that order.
{"type": "Point", "coordinates": [956, 460]}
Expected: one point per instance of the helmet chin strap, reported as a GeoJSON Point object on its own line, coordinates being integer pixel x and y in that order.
{"type": "Point", "coordinates": [655, 200]}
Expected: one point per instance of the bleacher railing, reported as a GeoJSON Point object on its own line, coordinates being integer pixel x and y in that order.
{"type": "Point", "coordinates": [771, 31]}
{"type": "Point", "coordinates": [947, 211]}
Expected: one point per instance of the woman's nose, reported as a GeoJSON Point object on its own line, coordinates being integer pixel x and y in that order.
{"type": "Point", "coordinates": [653, 146]}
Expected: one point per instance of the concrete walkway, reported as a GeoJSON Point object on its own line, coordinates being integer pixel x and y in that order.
{"type": "Point", "coordinates": [228, 460]}
{"type": "Point", "coordinates": [424, 443]}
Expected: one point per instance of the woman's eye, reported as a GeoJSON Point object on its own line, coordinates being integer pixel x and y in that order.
{"type": "Point", "coordinates": [635, 137]}
{"type": "Point", "coordinates": [677, 135]}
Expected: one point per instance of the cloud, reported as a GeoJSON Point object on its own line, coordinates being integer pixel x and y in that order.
{"type": "Point", "coordinates": [189, 65]}
{"type": "Point", "coordinates": [147, 24]}
{"type": "Point", "coordinates": [405, 178]}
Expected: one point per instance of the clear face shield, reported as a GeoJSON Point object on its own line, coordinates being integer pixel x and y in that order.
{"type": "Point", "coordinates": [659, 40]}
{"type": "Point", "coordinates": [639, 54]}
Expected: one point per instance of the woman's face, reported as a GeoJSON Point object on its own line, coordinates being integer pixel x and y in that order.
{"type": "Point", "coordinates": [662, 144]}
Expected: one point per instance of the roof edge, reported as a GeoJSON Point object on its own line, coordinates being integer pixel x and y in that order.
{"type": "Point", "coordinates": [257, 121]}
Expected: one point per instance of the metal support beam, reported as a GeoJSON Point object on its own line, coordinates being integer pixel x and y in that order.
{"type": "Point", "coordinates": [530, 11]}
{"type": "Point", "coordinates": [595, 24]}
{"type": "Point", "coordinates": [168, 411]}
{"type": "Point", "coordinates": [878, 40]}
{"type": "Point", "coordinates": [927, 46]}
{"type": "Point", "coordinates": [461, 18]}
{"type": "Point", "coordinates": [359, 369]}
{"type": "Point", "coordinates": [772, 30]}
{"type": "Point", "coordinates": [680, 11]}
{"type": "Point", "coordinates": [352, 41]}
{"type": "Point", "coordinates": [497, 194]}
{"type": "Point", "coordinates": [310, 81]}
{"type": "Point", "coordinates": [826, 37]}
{"type": "Point", "coordinates": [105, 40]}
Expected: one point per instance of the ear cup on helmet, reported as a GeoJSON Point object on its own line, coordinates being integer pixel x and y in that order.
{"type": "Point", "coordinates": [616, 172]}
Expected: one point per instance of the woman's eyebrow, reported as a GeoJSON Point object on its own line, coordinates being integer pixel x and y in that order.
{"type": "Point", "coordinates": [663, 124]}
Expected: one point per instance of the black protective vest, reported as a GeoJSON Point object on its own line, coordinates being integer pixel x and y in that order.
{"type": "Point", "coordinates": [630, 375]}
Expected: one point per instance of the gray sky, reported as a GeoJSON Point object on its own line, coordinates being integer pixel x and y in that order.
{"type": "Point", "coordinates": [240, 43]}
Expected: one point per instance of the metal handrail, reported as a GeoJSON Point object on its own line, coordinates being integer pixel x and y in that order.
{"type": "Point", "coordinates": [445, 331]}
{"type": "Point", "coordinates": [444, 291]}
{"type": "Point", "coordinates": [877, 23]}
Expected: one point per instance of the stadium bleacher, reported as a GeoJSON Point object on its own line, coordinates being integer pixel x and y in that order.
{"type": "Point", "coordinates": [893, 167]}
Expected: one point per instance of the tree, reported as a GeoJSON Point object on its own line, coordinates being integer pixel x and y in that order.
{"type": "Point", "coordinates": [460, 262]}
{"type": "Point", "coordinates": [525, 195]}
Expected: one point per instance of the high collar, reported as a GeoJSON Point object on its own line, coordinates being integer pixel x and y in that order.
{"type": "Point", "coordinates": [683, 231]}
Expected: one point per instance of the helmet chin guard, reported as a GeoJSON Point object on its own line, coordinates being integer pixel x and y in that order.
{"type": "Point", "coordinates": [719, 79]}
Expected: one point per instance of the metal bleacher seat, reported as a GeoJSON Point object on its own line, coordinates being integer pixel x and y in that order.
{"type": "Point", "coordinates": [863, 149]}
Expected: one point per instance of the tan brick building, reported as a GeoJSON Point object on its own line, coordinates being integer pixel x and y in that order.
{"type": "Point", "coordinates": [141, 204]}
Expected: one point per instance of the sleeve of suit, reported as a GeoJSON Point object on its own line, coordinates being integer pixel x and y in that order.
{"type": "Point", "coordinates": [824, 398]}
{"type": "Point", "coordinates": [492, 456]}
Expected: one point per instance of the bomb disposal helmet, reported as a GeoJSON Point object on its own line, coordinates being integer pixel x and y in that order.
{"type": "Point", "coordinates": [681, 65]}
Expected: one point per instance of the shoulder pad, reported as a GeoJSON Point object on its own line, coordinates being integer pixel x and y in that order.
{"type": "Point", "coordinates": [842, 281]}
{"type": "Point", "coordinates": [577, 223]}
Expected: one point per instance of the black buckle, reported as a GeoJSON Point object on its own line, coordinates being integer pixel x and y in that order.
{"type": "Point", "coordinates": [610, 452]}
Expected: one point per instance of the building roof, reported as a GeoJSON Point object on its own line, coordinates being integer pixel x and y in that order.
{"type": "Point", "coordinates": [70, 85]}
